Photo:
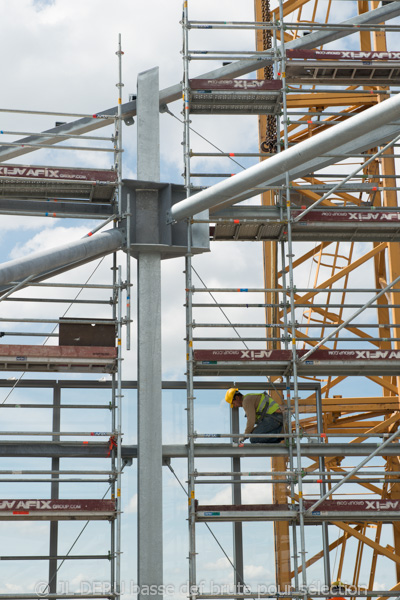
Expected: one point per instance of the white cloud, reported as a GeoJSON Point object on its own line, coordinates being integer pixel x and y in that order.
{"type": "Point", "coordinates": [220, 564]}
{"type": "Point", "coordinates": [255, 572]}
{"type": "Point", "coordinates": [49, 238]}
{"type": "Point", "coordinates": [252, 493]}
{"type": "Point", "coordinates": [131, 507]}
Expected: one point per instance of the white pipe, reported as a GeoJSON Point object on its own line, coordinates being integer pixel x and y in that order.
{"type": "Point", "coordinates": [367, 123]}
{"type": "Point", "coordinates": [48, 260]}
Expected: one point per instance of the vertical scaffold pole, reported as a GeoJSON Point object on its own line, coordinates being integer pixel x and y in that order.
{"type": "Point", "coordinates": [119, 397]}
{"type": "Point", "coordinates": [293, 318]}
{"type": "Point", "coordinates": [118, 126]}
{"type": "Point", "coordinates": [323, 489]}
{"type": "Point", "coordinates": [55, 493]}
{"type": "Point", "coordinates": [114, 393]}
{"type": "Point", "coordinates": [189, 315]}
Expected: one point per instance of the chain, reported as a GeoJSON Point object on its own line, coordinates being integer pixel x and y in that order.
{"type": "Point", "coordinates": [269, 144]}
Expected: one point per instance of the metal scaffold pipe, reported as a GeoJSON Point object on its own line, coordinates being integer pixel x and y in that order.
{"type": "Point", "coordinates": [299, 157]}
{"type": "Point", "coordinates": [47, 260]}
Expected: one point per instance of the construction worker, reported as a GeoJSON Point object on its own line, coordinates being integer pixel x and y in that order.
{"type": "Point", "coordinates": [262, 412]}
{"type": "Point", "coordinates": [337, 587]}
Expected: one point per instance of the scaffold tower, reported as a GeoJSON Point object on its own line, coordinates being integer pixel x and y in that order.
{"type": "Point", "coordinates": [324, 213]}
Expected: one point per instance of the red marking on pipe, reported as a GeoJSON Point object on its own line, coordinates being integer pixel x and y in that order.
{"type": "Point", "coordinates": [90, 233]}
{"type": "Point", "coordinates": [20, 512]}
{"type": "Point", "coordinates": [85, 442]}
{"type": "Point", "coordinates": [231, 154]}
{"type": "Point", "coordinates": [236, 221]}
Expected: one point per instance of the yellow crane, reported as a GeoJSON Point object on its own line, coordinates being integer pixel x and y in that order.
{"type": "Point", "coordinates": [340, 263]}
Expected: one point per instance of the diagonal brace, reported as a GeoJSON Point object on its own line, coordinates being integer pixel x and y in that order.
{"type": "Point", "coordinates": [351, 473]}
{"type": "Point", "coordinates": [338, 185]}
{"type": "Point", "coordinates": [347, 321]}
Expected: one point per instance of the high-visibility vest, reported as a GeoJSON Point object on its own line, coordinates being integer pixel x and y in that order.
{"type": "Point", "coordinates": [273, 406]}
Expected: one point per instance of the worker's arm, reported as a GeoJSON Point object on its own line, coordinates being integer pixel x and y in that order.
{"type": "Point", "coordinates": [250, 410]}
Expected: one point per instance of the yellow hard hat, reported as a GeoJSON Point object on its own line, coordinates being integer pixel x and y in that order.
{"type": "Point", "coordinates": [230, 394]}
{"type": "Point", "coordinates": [338, 586]}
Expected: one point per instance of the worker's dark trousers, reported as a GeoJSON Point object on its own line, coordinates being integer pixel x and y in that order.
{"type": "Point", "coordinates": [269, 424]}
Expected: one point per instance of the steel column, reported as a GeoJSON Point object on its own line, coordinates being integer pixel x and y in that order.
{"type": "Point", "coordinates": [150, 531]}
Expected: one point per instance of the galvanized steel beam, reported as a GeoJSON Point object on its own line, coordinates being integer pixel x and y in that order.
{"type": "Point", "coordinates": [363, 131]}
{"type": "Point", "coordinates": [149, 522]}
{"type": "Point", "coordinates": [80, 251]}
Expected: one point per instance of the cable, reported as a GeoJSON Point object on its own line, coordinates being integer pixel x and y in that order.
{"type": "Point", "coordinates": [236, 331]}
{"type": "Point", "coordinates": [225, 315]}
{"type": "Point", "coordinates": [75, 541]}
{"type": "Point", "coordinates": [205, 139]}
{"type": "Point", "coordinates": [245, 586]}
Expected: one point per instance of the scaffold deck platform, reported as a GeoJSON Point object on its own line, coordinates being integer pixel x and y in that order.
{"type": "Point", "coordinates": [265, 224]}
{"type": "Point", "coordinates": [56, 510]}
{"type": "Point", "coordinates": [21, 181]}
{"type": "Point", "coordinates": [235, 96]}
{"type": "Point", "coordinates": [278, 362]}
{"type": "Point", "coordinates": [342, 67]}
{"type": "Point", "coordinates": [77, 359]}
{"type": "Point", "coordinates": [353, 511]}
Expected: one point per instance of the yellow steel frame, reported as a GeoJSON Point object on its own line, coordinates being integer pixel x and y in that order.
{"type": "Point", "coordinates": [349, 415]}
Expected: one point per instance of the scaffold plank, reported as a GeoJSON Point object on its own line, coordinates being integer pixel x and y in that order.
{"type": "Point", "coordinates": [77, 359]}
{"type": "Point", "coordinates": [235, 96]}
{"type": "Point", "coordinates": [277, 362]}
{"type": "Point", "coordinates": [56, 510]}
{"type": "Point", "coordinates": [332, 67]}
{"type": "Point", "coordinates": [265, 224]}
{"type": "Point", "coordinates": [25, 181]}
{"type": "Point", "coordinates": [353, 511]}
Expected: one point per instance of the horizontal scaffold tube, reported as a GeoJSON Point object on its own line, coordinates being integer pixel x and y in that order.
{"type": "Point", "coordinates": [366, 127]}
{"type": "Point", "coordinates": [235, 69]}
{"type": "Point", "coordinates": [47, 260]}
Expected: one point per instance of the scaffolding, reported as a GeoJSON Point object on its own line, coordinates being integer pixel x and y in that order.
{"type": "Point", "coordinates": [48, 344]}
{"type": "Point", "coordinates": [301, 92]}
